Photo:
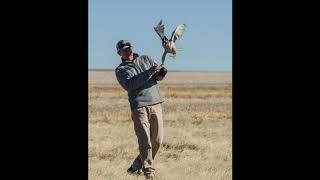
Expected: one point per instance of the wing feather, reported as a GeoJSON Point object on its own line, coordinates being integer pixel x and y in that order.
{"type": "Point", "coordinates": [160, 30]}
{"type": "Point", "coordinates": [177, 33]}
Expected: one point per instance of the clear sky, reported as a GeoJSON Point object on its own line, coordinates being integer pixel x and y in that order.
{"type": "Point", "coordinates": [206, 44]}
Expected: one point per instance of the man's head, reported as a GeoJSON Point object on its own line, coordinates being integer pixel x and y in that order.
{"type": "Point", "coordinates": [124, 49]}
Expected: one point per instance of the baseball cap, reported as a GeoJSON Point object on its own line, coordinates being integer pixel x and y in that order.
{"type": "Point", "coordinates": [123, 44]}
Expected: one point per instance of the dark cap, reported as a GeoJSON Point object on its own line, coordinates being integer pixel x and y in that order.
{"type": "Point", "coordinates": [123, 44]}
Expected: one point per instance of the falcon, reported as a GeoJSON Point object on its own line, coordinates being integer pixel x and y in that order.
{"type": "Point", "coordinates": [169, 44]}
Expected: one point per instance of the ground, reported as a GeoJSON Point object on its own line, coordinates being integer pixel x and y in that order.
{"type": "Point", "coordinates": [197, 116]}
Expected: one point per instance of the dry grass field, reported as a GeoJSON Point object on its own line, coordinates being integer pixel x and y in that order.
{"type": "Point", "coordinates": [197, 116]}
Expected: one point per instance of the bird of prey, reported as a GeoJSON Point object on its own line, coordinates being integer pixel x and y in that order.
{"type": "Point", "coordinates": [169, 44]}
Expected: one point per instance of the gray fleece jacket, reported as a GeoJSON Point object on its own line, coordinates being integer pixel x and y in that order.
{"type": "Point", "coordinates": [133, 77]}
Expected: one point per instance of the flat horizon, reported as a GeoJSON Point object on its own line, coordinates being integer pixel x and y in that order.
{"type": "Point", "coordinates": [213, 71]}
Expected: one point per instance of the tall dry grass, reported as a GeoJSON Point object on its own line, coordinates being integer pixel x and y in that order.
{"type": "Point", "coordinates": [197, 139]}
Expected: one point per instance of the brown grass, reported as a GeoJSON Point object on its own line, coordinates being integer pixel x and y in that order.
{"type": "Point", "coordinates": [197, 140]}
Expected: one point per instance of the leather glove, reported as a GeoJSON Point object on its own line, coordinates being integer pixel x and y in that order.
{"type": "Point", "coordinates": [160, 74]}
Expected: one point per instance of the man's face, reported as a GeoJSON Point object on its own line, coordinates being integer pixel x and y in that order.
{"type": "Point", "coordinates": [126, 53]}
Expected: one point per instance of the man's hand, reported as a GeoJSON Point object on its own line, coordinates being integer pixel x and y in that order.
{"type": "Point", "coordinates": [159, 75]}
{"type": "Point", "coordinates": [152, 71]}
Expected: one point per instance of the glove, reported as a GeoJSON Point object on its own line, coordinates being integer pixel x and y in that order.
{"type": "Point", "coordinates": [160, 74]}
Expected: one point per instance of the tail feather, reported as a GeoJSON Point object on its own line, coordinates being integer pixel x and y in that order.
{"type": "Point", "coordinates": [172, 55]}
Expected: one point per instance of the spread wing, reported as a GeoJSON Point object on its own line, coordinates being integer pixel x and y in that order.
{"type": "Point", "coordinates": [177, 33]}
{"type": "Point", "coordinates": [160, 30]}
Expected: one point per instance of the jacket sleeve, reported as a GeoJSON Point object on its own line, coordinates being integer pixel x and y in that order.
{"type": "Point", "coordinates": [129, 81]}
{"type": "Point", "coordinates": [151, 61]}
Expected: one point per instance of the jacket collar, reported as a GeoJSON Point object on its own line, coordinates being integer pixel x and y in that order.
{"type": "Point", "coordinates": [135, 55]}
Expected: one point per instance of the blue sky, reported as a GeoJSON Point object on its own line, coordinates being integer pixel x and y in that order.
{"type": "Point", "coordinates": [206, 44]}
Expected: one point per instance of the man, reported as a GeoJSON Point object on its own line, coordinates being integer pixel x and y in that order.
{"type": "Point", "coordinates": [139, 75]}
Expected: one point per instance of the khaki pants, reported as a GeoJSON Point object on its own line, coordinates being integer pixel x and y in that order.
{"type": "Point", "coordinates": [148, 126]}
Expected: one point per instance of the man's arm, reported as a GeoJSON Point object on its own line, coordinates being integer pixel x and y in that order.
{"type": "Point", "coordinates": [130, 82]}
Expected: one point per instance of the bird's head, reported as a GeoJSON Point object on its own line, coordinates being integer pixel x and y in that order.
{"type": "Point", "coordinates": [166, 44]}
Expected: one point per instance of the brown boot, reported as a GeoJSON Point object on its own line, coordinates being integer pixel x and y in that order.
{"type": "Point", "coordinates": [149, 176]}
{"type": "Point", "coordinates": [133, 171]}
